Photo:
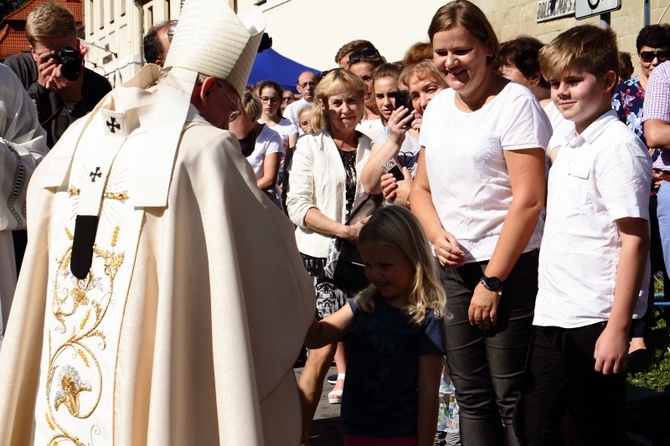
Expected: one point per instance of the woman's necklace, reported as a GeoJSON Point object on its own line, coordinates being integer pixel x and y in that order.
{"type": "Point", "coordinates": [474, 107]}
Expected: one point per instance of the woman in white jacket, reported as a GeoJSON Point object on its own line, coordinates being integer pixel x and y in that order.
{"type": "Point", "coordinates": [324, 190]}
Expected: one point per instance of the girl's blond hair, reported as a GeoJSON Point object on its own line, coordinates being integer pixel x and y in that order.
{"type": "Point", "coordinates": [396, 226]}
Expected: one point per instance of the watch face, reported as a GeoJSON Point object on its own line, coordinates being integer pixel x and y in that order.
{"type": "Point", "coordinates": [493, 283]}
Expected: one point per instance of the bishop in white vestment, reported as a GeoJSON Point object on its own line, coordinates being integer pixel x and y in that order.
{"type": "Point", "coordinates": [162, 299]}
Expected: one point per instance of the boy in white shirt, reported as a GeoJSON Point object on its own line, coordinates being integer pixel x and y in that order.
{"type": "Point", "coordinates": [594, 252]}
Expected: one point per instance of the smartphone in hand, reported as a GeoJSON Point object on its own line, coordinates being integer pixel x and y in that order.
{"type": "Point", "coordinates": [402, 99]}
{"type": "Point", "coordinates": [392, 166]}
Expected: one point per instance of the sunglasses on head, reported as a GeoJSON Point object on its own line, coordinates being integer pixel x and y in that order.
{"type": "Point", "coordinates": [364, 54]}
{"type": "Point", "coordinates": [649, 56]}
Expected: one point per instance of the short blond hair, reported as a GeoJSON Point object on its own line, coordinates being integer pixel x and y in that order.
{"type": "Point", "coordinates": [586, 47]}
{"type": "Point", "coordinates": [50, 21]}
{"type": "Point", "coordinates": [329, 85]}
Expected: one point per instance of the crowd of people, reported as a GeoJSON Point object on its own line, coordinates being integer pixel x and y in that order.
{"type": "Point", "coordinates": [509, 203]}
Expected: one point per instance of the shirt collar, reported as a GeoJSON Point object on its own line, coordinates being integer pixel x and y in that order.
{"type": "Point", "coordinates": [594, 130]}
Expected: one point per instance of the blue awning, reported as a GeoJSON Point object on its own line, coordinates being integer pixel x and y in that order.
{"type": "Point", "coordinates": [270, 65]}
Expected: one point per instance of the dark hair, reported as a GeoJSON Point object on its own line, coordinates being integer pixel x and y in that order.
{"type": "Point", "coordinates": [153, 50]}
{"type": "Point", "coordinates": [270, 84]}
{"type": "Point", "coordinates": [654, 36]}
{"type": "Point", "coordinates": [523, 54]}
{"type": "Point", "coordinates": [625, 66]}
{"type": "Point", "coordinates": [387, 70]}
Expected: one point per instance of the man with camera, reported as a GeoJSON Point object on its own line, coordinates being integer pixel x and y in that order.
{"type": "Point", "coordinates": [53, 73]}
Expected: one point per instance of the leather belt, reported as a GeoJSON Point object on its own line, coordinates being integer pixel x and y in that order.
{"type": "Point", "coordinates": [666, 177]}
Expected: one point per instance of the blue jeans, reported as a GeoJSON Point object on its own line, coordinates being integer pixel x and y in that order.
{"type": "Point", "coordinates": [663, 210]}
{"type": "Point", "coordinates": [487, 366]}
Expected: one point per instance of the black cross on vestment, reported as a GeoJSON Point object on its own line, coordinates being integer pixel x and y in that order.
{"type": "Point", "coordinates": [97, 173]}
{"type": "Point", "coordinates": [113, 125]}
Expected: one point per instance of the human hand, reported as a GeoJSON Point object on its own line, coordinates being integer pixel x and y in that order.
{"type": "Point", "coordinates": [398, 124]}
{"type": "Point", "coordinates": [50, 77]}
{"type": "Point", "coordinates": [416, 124]}
{"type": "Point", "coordinates": [657, 179]}
{"type": "Point", "coordinates": [611, 352]}
{"type": "Point", "coordinates": [352, 231]}
{"type": "Point", "coordinates": [389, 185]}
{"type": "Point", "coordinates": [483, 311]}
{"type": "Point", "coordinates": [448, 251]}
{"type": "Point", "coordinates": [398, 191]}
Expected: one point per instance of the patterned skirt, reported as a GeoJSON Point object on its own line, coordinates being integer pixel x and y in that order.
{"type": "Point", "coordinates": [329, 298]}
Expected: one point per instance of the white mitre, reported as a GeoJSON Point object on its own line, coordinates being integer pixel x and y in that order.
{"type": "Point", "coordinates": [211, 39]}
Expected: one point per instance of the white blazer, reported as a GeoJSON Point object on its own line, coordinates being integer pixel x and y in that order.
{"type": "Point", "coordinates": [318, 180]}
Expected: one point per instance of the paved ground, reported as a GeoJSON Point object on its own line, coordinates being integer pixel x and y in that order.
{"type": "Point", "coordinates": [326, 426]}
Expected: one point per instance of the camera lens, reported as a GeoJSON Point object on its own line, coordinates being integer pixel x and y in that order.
{"type": "Point", "coordinates": [70, 61]}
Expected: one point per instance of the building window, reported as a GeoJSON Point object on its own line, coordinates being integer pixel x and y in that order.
{"type": "Point", "coordinates": [123, 8]}
{"type": "Point", "coordinates": [102, 14]}
{"type": "Point", "coordinates": [89, 18]}
{"type": "Point", "coordinates": [111, 11]}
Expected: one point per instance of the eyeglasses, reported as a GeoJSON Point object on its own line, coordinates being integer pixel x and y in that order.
{"type": "Point", "coordinates": [236, 113]}
{"type": "Point", "coordinates": [305, 84]}
{"type": "Point", "coordinates": [265, 100]}
{"type": "Point", "coordinates": [649, 56]}
{"type": "Point", "coordinates": [287, 99]}
{"type": "Point", "coordinates": [365, 54]}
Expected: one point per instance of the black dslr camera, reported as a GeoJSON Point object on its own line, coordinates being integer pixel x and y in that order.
{"type": "Point", "coordinates": [70, 61]}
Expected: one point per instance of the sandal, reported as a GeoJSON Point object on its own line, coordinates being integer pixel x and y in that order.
{"type": "Point", "coordinates": [335, 396]}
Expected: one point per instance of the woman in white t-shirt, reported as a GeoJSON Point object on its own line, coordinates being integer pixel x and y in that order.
{"type": "Point", "coordinates": [479, 191]}
{"type": "Point", "coordinates": [268, 150]}
{"type": "Point", "coordinates": [271, 95]}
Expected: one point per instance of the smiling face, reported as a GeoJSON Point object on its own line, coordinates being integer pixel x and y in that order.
{"type": "Point", "coordinates": [581, 97]}
{"type": "Point", "coordinates": [384, 97]}
{"type": "Point", "coordinates": [389, 270]}
{"type": "Point", "coordinates": [343, 111]}
{"type": "Point", "coordinates": [462, 59]}
{"type": "Point", "coordinates": [648, 67]}
{"type": "Point", "coordinates": [422, 89]}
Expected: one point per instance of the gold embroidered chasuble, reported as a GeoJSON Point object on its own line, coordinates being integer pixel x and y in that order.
{"type": "Point", "coordinates": [186, 327]}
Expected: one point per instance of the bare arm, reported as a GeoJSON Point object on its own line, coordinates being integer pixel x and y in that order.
{"type": "Point", "coordinates": [447, 250]}
{"type": "Point", "coordinates": [657, 133]}
{"type": "Point", "coordinates": [270, 170]}
{"type": "Point", "coordinates": [381, 153]}
{"type": "Point", "coordinates": [611, 351]}
{"type": "Point", "coordinates": [430, 368]}
{"type": "Point", "coordinates": [330, 329]}
{"type": "Point", "coordinates": [527, 176]}
{"type": "Point", "coordinates": [316, 221]}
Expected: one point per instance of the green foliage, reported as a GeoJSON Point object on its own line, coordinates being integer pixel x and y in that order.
{"type": "Point", "coordinates": [657, 377]}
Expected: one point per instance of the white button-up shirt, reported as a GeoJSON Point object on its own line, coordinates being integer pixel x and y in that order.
{"type": "Point", "coordinates": [600, 176]}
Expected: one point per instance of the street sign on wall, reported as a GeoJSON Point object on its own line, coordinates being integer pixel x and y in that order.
{"type": "Point", "coordinates": [554, 9]}
{"type": "Point", "coordinates": [588, 8]}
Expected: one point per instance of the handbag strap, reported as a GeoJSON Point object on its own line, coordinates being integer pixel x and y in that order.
{"type": "Point", "coordinates": [358, 208]}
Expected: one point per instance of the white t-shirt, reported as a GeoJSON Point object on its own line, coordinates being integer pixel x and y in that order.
{"type": "Point", "coordinates": [293, 109]}
{"type": "Point", "coordinates": [598, 177]}
{"type": "Point", "coordinates": [285, 128]}
{"type": "Point", "coordinates": [267, 142]}
{"type": "Point", "coordinates": [370, 127]}
{"type": "Point", "coordinates": [467, 173]}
